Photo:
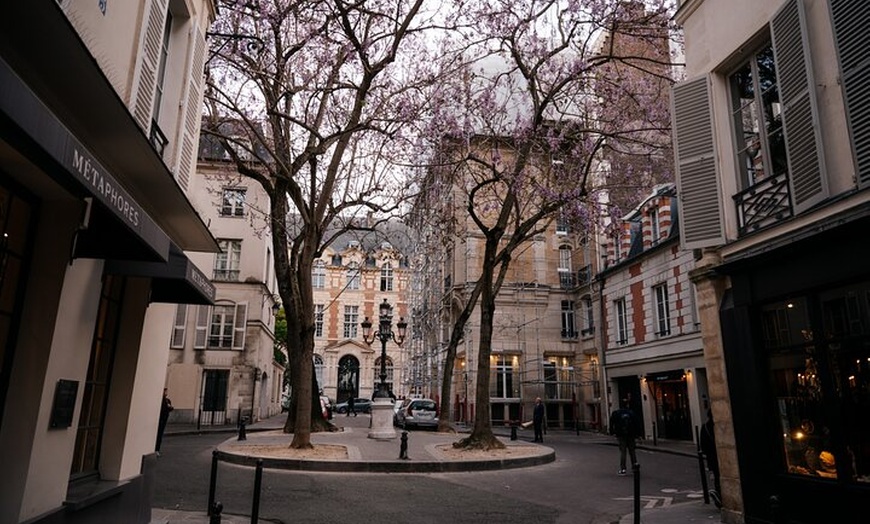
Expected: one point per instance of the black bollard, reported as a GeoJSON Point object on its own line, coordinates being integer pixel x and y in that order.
{"type": "Point", "coordinates": [258, 484]}
{"type": "Point", "coordinates": [776, 510]}
{"type": "Point", "coordinates": [513, 430]}
{"type": "Point", "coordinates": [242, 422]}
{"type": "Point", "coordinates": [635, 470]}
{"type": "Point", "coordinates": [703, 470]}
{"type": "Point", "coordinates": [212, 483]}
{"type": "Point", "coordinates": [403, 446]}
{"type": "Point", "coordinates": [214, 515]}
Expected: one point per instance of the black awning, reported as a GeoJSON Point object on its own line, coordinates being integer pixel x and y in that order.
{"type": "Point", "coordinates": [177, 281]}
{"type": "Point", "coordinates": [42, 48]}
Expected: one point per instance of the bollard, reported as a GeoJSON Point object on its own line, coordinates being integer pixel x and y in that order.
{"type": "Point", "coordinates": [513, 429]}
{"type": "Point", "coordinates": [403, 447]}
{"type": "Point", "coordinates": [242, 422]}
{"type": "Point", "coordinates": [635, 470]}
{"type": "Point", "coordinates": [258, 484]}
{"type": "Point", "coordinates": [214, 515]}
{"type": "Point", "coordinates": [776, 510]}
{"type": "Point", "coordinates": [212, 483]}
{"type": "Point", "coordinates": [704, 487]}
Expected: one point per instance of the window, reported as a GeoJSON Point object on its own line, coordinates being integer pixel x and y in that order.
{"type": "Point", "coordinates": [662, 310]}
{"type": "Point", "coordinates": [617, 246]}
{"type": "Point", "coordinates": [655, 232]}
{"type": "Point", "coordinates": [588, 316]}
{"type": "Point", "coordinates": [318, 320]}
{"type": "Point", "coordinates": [351, 320]}
{"type": "Point", "coordinates": [566, 277]}
{"type": "Point", "coordinates": [158, 139]}
{"type": "Point", "coordinates": [389, 370]}
{"type": "Point", "coordinates": [226, 263]}
{"type": "Point", "coordinates": [226, 328]}
{"type": "Point", "coordinates": [502, 385]}
{"type": "Point", "coordinates": [621, 321]}
{"type": "Point", "coordinates": [386, 277]}
{"type": "Point", "coordinates": [561, 226]}
{"type": "Point", "coordinates": [568, 325]}
{"type": "Point", "coordinates": [318, 371]}
{"type": "Point", "coordinates": [353, 276]}
{"type": "Point", "coordinates": [178, 329]}
{"type": "Point", "coordinates": [558, 378]}
{"type": "Point", "coordinates": [233, 202]}
{"type": "Point", "coordinates": [757, 119]}
{"type": "Point", "coordinates": [318, 275]}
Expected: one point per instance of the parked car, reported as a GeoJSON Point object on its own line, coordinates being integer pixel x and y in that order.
{"type": "Point", "coordinates": [325, 405]}
{"type": "Point", "coordinates": [360, 405]}
{"type": "Point", "coordinates": [418, 412]}
{"type": "Point", "coordinates": [397, 406]}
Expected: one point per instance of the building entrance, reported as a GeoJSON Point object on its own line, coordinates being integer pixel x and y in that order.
{"type": "Point", "coordinates": [672, 416]}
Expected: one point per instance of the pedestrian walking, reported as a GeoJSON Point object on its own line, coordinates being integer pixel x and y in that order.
{"type": "Point", "coordinates": [623, 424]}
{"type": "Point", "coordinates": [165, 409]}
{"type": "Point", "coordinates": [538, 420]}
{"type": "Point", "coordinates": [351, 406]}
{"type": "Point", "coordinates": [708, 448]}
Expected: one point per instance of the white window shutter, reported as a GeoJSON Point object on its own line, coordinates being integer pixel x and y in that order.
{"type": "Point", "coordinates": [180, 326]}
{"type": "Point", "coordinates": [150, 44]}
{"type": "Point", "coordinates": [202, 321]}
{"type": "Point", "coordinates": [701, 217]}
{"type": "Point", "coordinates": [192, 111]}
{"type": "Point", "coordinates": [239, 325]}
{"type": "Point", "coordinates": [851, 20]}
{"type": "Point", "coordinates": [803, 141]}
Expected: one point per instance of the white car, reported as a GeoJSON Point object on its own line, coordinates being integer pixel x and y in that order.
{"type": "Point", "coordinates": [418, 412]}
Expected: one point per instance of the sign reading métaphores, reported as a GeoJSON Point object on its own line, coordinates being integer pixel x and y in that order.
{"type": "Point", "coordinates": [29, 113]}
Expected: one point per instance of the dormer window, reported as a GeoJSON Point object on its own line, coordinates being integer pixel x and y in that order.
{"type": "Point", "coordinates": [655, 231]}
{"type": "Point", "coordinates": [353, 244]}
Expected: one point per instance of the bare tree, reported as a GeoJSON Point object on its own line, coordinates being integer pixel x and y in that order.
{"type": "Point", "coordinates": [531, 130]}
{"type": "Point", "coordinates": [313, 100]}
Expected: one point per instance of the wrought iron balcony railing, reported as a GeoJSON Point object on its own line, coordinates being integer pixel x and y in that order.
{"type": "Point", "coordinates": [763, 204]}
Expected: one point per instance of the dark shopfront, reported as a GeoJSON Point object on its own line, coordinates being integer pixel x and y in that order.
{"type": "Point", "coordinates": [796, 330]}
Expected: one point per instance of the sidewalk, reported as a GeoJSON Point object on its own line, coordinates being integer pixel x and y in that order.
{"type": "Point", "coordinates": [426, 454]}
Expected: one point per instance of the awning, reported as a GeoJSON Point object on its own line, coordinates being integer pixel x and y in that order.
{"type": "Point", "coordinates": [177, 281]}
{"type": "Point", "coordinates": [115, 225]}
{"type": "Point", "coordinates": [43, 49]}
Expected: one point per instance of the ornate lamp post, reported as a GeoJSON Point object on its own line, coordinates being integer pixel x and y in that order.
{"type": "Point", "coordinates": [382, 408]}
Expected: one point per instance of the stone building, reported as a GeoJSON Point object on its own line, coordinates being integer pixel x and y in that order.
{"type": "Point", "coordinates": [99, 119]}
{"type": "Point", "coordinates": [771, 144]}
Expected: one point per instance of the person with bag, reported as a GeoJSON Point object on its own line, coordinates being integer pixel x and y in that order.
{"type": "Point", "coordinates": [623, 425]}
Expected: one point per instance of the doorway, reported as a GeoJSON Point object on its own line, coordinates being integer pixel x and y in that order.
{"type": "Point", "coordinates": [214, 397]}
{"type": "Point", "coordinates": [348, 378]}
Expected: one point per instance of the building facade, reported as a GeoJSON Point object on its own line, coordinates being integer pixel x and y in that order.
{"type": "Point", "coordinates": [222, 365]}
{"type": "Point", "coordinates": [356, 273]}
{"type": "Point", "coordinates": [771, 144]}
{"type": "Point", "coordinates": [95, 100]}
{"type": "Point", "coordinates": [652, 352]}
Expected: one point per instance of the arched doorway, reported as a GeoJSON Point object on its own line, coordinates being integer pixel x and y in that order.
{"type": "Point", "coordinates": [348, 378]}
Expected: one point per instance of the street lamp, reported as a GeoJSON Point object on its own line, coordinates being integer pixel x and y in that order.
{"type": "Point", "coordinates": [384, 334]}
{"type": "Point", "coordinates": [382, 407]}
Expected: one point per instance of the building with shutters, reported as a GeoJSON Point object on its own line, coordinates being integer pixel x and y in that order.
{"type": "Point", "coordinates": [771, 142]}
{"type": "Point", "coordinates": [222, 365]}
{"type": "Point", "coordinates": [652, 353]}
{"type": "Point", "coordinates": [96, 154]}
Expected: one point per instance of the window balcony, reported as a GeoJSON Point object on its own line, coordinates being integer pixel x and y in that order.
{"type": "Point", "coordinates": [567, 280]}
{"type": "Point", "coordinates": [763, 204]}
{"type": "Point", "coordinates": [226, 275]}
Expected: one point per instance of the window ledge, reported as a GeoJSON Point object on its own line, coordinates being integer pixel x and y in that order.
{"type": "Point", "coordinates": [84, 493]}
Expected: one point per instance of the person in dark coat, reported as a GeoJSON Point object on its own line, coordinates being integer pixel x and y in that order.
{"type": "Point", "coordinates": [538, 420]}
{"type": "Point", "coordinates": [708, 448]}
{"type": "Point", "coordinates": [351, 406]}
{"type": "Point", "coordinates": [623, 424]}
{"type": "Point", "coordinates": [165, 409]}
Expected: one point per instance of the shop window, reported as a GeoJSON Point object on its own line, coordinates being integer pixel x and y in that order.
{"type": "Point", "coordinates": [819, 357]}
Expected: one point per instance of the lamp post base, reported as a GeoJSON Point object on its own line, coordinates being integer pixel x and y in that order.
{"type": "Point", "coordinates": [382, 419]}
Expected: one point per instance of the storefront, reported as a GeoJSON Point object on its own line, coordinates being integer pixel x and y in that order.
{"type": "Point", "coordinates": [796, 329]}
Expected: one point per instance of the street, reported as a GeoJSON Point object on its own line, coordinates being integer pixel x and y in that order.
{"type": "Point", "coordinates": [581, 486]}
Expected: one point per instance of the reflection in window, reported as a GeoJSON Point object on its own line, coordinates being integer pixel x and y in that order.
{"type": "Point", "coordinates": [757, 119]}
{"type": "Point", "coordinates": [822, 384]}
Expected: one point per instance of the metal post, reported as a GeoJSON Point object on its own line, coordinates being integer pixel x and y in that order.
{"type": "Point", "coordinates": [701, 468]}
{"type": "Point", "coordinates": [215, 516]}
{"type": "Point", "coordinates": [212, 483]}
{"type": "Point", "coordinates": [655, 434]}
{"type": "Point", "coordinates": [258, 482]}
{"type": "Point", "coordinates": [403, 447]}
{"type": "Point", "coordinates": [513, 429]}
{"type": "Point", "coordinates": [635, 470]}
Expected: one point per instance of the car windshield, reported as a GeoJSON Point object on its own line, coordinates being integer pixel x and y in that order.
{"type": "Point", "coordinates": [425, 405]}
